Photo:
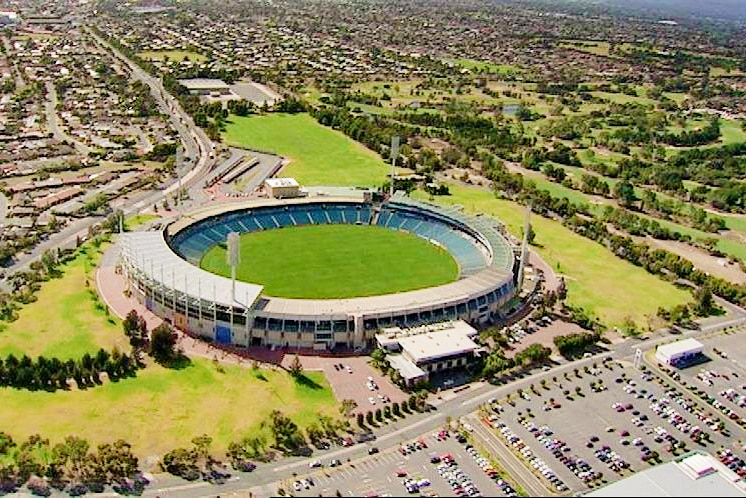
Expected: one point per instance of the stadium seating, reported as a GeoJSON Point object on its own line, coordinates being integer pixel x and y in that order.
{"type": "Point", "coordinates": [466, 252]}
{"type": "Point", "coordinates": [194, 241]}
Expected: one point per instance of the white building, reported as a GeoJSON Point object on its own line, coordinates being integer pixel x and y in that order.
{"type": "Point", "coordinates": [695, 475]}
{"type": "Point", "coordinates": [429, 348]}
{"type": "Point", "coordinates": [676, 352]}
{"type": "Point", "coordinates": [283, 188]}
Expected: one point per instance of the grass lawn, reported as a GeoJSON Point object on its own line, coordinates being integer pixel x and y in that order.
{"type": "Point", "coordinates": [163, 409]}
{"type": "Point", "coordinates": [716, 72]}
{"type": "Point", "coordinates": [173, 55]}
{"type": "Point", "coordinates": [600, 282]}
{"type": "Point", "coordinates": [731, 132]}
{"type": "Point", "coordinates": [485, 66]}
{"type": "Point", "coordinates": [65, 321]}
{"type": "Point", "coordinates": [319, 155]}
{"type": "Point", "coordinates": [589, 46]}
{"type": "Point", "coordinates": [734, 222]}
{"type": "Point", "coordinates": [732, 248]}
{"type": "Point", "coordinates": [139, 219]}
{"type": "Point", "coordinates": [336, 261]}
{"type": "Point", "coordinates": [623, 98]}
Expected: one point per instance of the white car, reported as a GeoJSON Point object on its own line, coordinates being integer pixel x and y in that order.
{"type": "Point", "coordinates": [372, 400]}
{"type": "Point", "coordinates": [349, 370]}
{"type": "Point", "coordinates": [297, 486]}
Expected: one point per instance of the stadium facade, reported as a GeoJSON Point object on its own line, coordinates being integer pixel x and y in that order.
{"type": "Point", "coordinates": [162, 270]}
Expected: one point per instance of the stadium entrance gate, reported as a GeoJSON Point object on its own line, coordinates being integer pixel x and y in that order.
{"type": "Point", "coordinates": [223, 333]}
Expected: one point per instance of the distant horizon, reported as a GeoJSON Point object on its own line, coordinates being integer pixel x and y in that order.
{"type": "Point", "coordinates": [731, 10]}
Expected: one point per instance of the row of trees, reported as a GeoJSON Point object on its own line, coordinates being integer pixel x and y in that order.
{"type": "Point", "coordinates": [51, 374]}
{"type": "Point", "coordinates": [572, 344]}
{"type": "Point", "coordinates": [656, 261]}
{"type": "Point", "coordinates": [497, 362]}
{"type": "Point", "coordinates": [72, 466]}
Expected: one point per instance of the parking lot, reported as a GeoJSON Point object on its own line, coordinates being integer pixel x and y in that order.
{"type": "Point", "coordinates": [426, 471]}
{"type": "Point", "coordinates": [590, 427]}
{"type": "Point", "coordinates": [541, 331]}
{"type": "Point", "coordinates": [723, 377]}
{"type": "Point", "coordinates": [349, 380]}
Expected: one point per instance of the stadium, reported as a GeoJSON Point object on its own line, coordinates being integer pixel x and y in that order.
{"type": "Point", "coordinates": [162, 268]}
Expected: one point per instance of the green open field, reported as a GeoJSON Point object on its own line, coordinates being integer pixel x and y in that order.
{"type": "Point", "coordinates": [485, 66]}
{"type": "Point", "coordinates": [163, 409]}
{"type": "Point", "coordinates": [318, 155]}
{"type": "Point", "coordinates": [731, 132]}
{"type": "Point", "coordinates": [65, 321]}
{"type": "Point", "coordinates": [172, 55]}
{"type": "Point", "coordinates": [159, 409]}
{"type": "Point", "coordinates": [603, 284]}
{"type": "Point", "coordinates": [336, 261]}
{"type": "Point", "coordinates": [623, 98]}
{"type": "Point", "coordinates": [589, 46]}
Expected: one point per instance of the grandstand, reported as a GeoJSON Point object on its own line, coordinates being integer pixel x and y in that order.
{"type": "Point", "coordinates": [195, 300]}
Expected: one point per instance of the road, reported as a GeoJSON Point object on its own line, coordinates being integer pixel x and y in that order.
{"type": "Point", "coordinates": [197, 145]}
{"type": "Point", "coordinates": [267, 475]}
{"type": "Point", "coordinates": [197, 150]}
{"type": "Point", "coordinates": [50, 110]}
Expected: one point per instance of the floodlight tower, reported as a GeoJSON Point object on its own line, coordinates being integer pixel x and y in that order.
{"type": "Point", "coordinates": [524, 247]}
{"type": "Point", "coordinates": [234, 258]}
{"type": "Point", "coordinates": [394, 156]}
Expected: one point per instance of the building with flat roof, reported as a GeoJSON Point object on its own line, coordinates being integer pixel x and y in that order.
{"type": "Point", "coordinates": [429, 348]}
{"type": "Point", "coordinates": [206, 86]}
{"type": "Point", "coordinates": [283, 188]}
{"type": "Point", "coordinates": [695, 474]}
{"type": "Point", "coordinates": [679, 352]}
{"type": "Point", "coordinates": [8, 18]}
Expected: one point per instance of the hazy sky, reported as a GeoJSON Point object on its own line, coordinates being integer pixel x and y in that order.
{"type": "Point", "coordinates": [726, 9]}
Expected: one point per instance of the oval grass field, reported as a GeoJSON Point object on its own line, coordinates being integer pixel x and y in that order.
{"type": "Point", "coordinates": [336, 261]}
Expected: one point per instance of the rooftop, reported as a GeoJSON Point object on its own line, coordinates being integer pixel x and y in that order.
{"type": "Point", "coordinates": [150, 253]}
{"type": "Point", "coordinates": [434, 344]}
{"type": "Point", "coordinates": [281, 182]}
{"type": "Point", "coordinates": [406, 368]}
{"type": "Point", "coordinates": [204, 84]}
{"type": "Point", "coordinates": [689, 476]}
{"type": "Point", "coordinates": [678, 347]}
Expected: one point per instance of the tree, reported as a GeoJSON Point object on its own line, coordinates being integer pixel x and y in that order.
{"type": "Point", "coordinates": [71, 455]}
{"type": "Point", "coordinates": [162, 344]}
{"type": "Point", "coordinates": [285, 431]}
{"type": "Point", "coordinates": [361, 419]}
{"type": "Point", "coordinates": [296, 367]}
{"type": "Point", "coordinates": [202, 446]}
{"type": "Point", "coordinates": [136, 329]}
{"type": "Point", "coordinates": [625, 192]}
{"type": "Point", "coordinates": [379, 415]}
{"type": "Point", "coordinates": [347, 406]}
{"type": "Point", "coordinates": [369, 417]}
{"type": "Point", "coordinates": [704, 304]}
{"type": "Point", "coordinates": [182, 463]}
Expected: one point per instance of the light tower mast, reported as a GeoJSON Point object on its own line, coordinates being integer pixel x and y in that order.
{"type": "Point", "coordinates": [524, 247]}
{"type": "Point", "coordinates": [394, 156]}
{"type": "Point", "coordinates": [234, 258]}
